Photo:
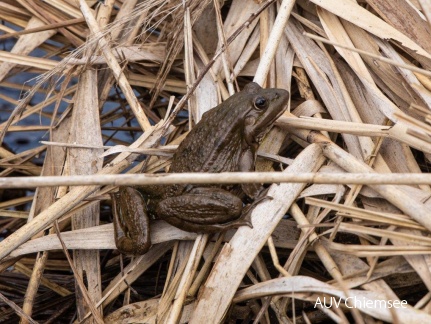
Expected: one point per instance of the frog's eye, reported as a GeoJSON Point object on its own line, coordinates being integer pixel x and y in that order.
{"type": "Point", "coordinates": [260, 103]}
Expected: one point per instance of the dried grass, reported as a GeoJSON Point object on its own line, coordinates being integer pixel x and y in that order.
{"type": "Point", "coordinates": [120, 76]}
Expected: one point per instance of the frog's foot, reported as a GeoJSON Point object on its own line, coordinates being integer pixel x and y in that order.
{"type": "Point", "coordinates": [263, 195]}
{"type": "Point", "coordinates": [245, 218]}
{"type": "Point", "coordinates": [208, 228]}
{"type": "Point", "coordinates": [260, 199]}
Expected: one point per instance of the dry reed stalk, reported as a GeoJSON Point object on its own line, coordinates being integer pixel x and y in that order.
{"type": "Point", "coordinates": [357, 73]}
{"type": "Point", "coordinates": [102, 237]}
{"type": "Point", "coordinates": [360, 176]}
{"type": "Point", "coordinates": [85, 128]}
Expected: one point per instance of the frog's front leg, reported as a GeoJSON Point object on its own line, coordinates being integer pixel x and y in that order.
{"type": "Point", "coordinates": [203, 210]}
{"type": "Point", "coordinates": [131, 223]}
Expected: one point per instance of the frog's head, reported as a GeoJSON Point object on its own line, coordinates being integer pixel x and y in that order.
{"type": "Point", "coordinates": [265, 106]}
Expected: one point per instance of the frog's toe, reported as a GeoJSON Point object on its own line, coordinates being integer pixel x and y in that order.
{"type": "Point", "coordinates": [246, 212]}
{"type": "Point", "coordinates": [246, 221]}
{"type": "Point", "coordinates": [243, 220]}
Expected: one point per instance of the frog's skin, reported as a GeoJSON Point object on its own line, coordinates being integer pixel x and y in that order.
{"type": "Point", "coordinates": [225, 140]}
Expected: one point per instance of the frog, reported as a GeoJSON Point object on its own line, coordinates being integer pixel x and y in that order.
{"type": "Point", "coordinates": [226, 139]}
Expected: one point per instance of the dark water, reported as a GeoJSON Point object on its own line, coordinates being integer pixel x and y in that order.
{"type": "Point", "coordinates": [21, 141]}
{"type": "Point", "coordinates": [18, 142]}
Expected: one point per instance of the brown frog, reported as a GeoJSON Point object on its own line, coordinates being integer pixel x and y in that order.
{"type": "Point", "coordinates": [225, 140]}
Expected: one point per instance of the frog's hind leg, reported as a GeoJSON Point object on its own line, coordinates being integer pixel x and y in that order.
{"type": "Point", "coordinates": [204, 210]}
{"type": "Point", "coordinates": [202, 206]}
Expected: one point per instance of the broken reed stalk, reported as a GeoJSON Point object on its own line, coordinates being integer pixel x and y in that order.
{"type": "Point", "coordinates": [116, 69]}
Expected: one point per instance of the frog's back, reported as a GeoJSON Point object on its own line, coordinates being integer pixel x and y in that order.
{"type": "Point", "coordinates": [228, 133]}
{"type": "Point", "coordinates": [214, 144]}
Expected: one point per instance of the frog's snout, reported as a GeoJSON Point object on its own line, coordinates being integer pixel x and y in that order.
{"type": "Point", "coordinates": [282, 95]}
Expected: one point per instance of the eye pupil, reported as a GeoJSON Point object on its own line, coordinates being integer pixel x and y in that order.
{"type": "Point", "coordinates": [260, 102]}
